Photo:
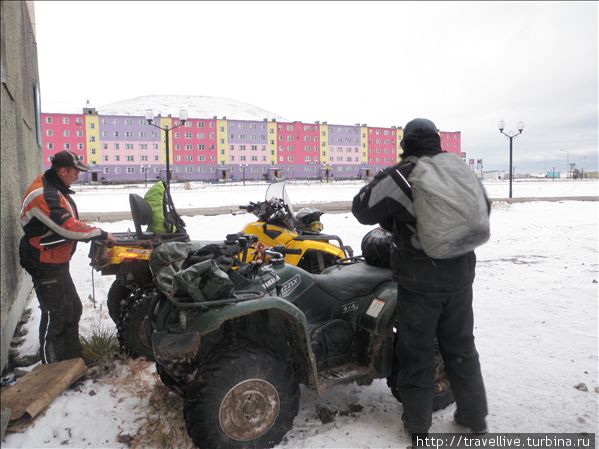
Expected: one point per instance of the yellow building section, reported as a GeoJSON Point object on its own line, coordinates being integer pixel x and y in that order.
{"type": "Point", "coordinates": [272, 142]}
{"type": "Point", "coordinates": [324, 144]}
{"type": "Point", "coordinates": [92, 139]}
{"type": "Point", "coordinates": [222, 141]}
{"type": "Point", "coordinates": [398, 137]}
{"type": "Point", "coordinates": [164, 122]}
{"type": "Point", "coordinates": [364, 144]}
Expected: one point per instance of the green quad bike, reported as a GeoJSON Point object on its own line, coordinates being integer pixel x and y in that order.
{"type": "Point", "coordinates": [238, 358]}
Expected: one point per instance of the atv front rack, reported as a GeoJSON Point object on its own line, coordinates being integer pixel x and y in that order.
{"type": "Point", "coordinates": [237, 297]}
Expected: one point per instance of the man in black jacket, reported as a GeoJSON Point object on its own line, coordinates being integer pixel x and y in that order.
{"type": "Point", "coordinates": [434, 296]}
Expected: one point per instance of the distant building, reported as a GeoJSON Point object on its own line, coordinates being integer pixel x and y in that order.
{"type": "Point", "coordinates": [494, 174]}
{"type": "Point", "coordinates": [123, 148]}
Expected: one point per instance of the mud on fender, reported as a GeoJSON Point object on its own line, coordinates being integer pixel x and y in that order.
{"type": "Point", "coordinates": [169, 347]}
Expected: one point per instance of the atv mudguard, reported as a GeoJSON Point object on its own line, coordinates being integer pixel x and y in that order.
{"type": "Point", "coordinates": [185, 346]}
{"type": "Point", "coordinates": [380, 316]}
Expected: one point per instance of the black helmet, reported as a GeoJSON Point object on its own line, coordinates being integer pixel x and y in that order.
{"type": "Point", "coordinates": [417, 130]}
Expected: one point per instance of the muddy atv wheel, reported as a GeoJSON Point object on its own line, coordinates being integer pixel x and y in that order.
{"type": "Point", "coordinates": [168, 380]}
{"type": "Point", "coordinates": [442, 396]}
{"type": "Point", "coordinates": [246, 397]}
{"type": "Point", "coordinates": [116, 294]}
{"type": "Point", "coordinates": [134, 331]}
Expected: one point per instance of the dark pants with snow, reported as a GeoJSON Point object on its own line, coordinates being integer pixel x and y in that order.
{"type": "Point", "coordinates": [441, 307]}
{"type": "Point", "coordinates": [61, 309]}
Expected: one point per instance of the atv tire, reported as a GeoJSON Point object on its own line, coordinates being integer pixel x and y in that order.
{"type": "Point", "coordinates": [168, 380]}
{"type": "Point", "coordinates": [116, 294]}
{"type": "Point", "coordinates": [134, 337]}
{"type": "Point", "coordinates": [376, 248]}
{"type": "Point", "coordinates": [244, 397]}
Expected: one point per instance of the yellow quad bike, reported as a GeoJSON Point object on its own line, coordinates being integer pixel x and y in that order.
{"type": "Point", "coordinates": [128, 259]}
{"type": "Point", "coordinates": [279, 226]}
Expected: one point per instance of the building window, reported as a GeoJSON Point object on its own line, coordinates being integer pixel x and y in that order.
{"type": "Point", "coordinates": [66, 133]}
{"type": "Point", "coordinates": [49, 146]}
{"type": "Point", "coordinates": [91, 125]}
{"type": "Point", "coordinates": [49, 133]}
{"type": "Point", "coordinates": [65, 120]}
{"type": "Point", "coordinates": [130, 170]}
{"type": "Point", "coordinates": [67, 146]}
{"type": "Point", "coordinates": [117, 146]}
{"type": "Point", "coordinates": [117, 158]}
{"type": "Point", "coordinates": [117, 170]}
{"type": "Point", "coordinates": [48, 119]}
{"type": "Point", "coordinates": [105, 158]}
{"type": "Point", "coordinates": [130, 158]}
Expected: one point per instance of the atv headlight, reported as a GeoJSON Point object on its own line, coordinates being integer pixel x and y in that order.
{"type": "Point", "coordinates": [183, 319]}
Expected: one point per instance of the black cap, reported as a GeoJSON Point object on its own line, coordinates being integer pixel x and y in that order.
{"type": "Point", "coordinates": [68, 159]}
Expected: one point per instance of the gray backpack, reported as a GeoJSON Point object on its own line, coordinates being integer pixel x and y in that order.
{"type": "Point", "coordinates": [450, 206]}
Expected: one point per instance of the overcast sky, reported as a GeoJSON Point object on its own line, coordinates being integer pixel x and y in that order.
{"type": "Point", "coordinates": [465, 65]}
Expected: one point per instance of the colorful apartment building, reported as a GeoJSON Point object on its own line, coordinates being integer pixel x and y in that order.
{"type": "Point", "coordinates": [122, 148]}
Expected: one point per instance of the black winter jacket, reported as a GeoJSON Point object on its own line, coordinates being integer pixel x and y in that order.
{"type": "Point", "coordinates": [386, 200]}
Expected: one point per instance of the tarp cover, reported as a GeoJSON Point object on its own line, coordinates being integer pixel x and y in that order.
{"type": "Point", "coordinates": [201, 281]}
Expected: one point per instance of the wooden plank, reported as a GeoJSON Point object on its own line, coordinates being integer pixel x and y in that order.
{"type": "Point", "coordinates": [36, 390]}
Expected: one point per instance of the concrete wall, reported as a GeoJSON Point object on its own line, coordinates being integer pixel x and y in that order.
{"type": "Point", "coordinates": [20, 153]}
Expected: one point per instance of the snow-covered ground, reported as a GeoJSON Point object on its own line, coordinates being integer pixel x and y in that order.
{"type": "Point", "coordinates": [197, 194]}
{"type": "Point", "coordinates": [536, 318]}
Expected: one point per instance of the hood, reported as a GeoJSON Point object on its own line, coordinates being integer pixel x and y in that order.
{"type": "Point", "coordinates": [420, 138]}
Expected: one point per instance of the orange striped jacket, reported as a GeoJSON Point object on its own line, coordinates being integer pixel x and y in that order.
{"type": "Point", "coordinates": [50, 220]}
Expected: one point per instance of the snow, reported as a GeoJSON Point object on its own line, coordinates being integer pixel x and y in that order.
{"type": "Point", "coordinates": [199, 194]}
{"type": "Point", "coordinates": [196, 107]}
{"type": "Point", "coordinates": [536, 327]}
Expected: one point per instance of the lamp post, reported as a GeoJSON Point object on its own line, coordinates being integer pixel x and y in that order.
{"type": "Point", "coordinates": [553, 173]}
{"type": "Point", "coordinates": [166, 129]}
{"type": "Point", "coordinates": [501, 126]}
{"type": "Point", "coordinates": [243, 166]}
{"type": "Point", "coordinates": [567, 162]}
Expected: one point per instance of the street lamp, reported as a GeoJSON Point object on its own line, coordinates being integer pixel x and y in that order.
{"type": "Point", "coordinates": [567, 162]}
{"type": "Point", "coordinates": [243, 166]}
{"type": "Point", "coordinates": [166, 129]}
{"type": "Point", "coordinates": [501, 126]}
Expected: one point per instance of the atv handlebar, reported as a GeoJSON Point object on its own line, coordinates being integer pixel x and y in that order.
{"type": "Point", "coordinates": [283, 250]}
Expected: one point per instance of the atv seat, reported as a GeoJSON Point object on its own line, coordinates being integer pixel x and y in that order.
{"type": "Point", "coordinates": [141, 214]}
{"type": "Point", "coordinates": [345, 282]}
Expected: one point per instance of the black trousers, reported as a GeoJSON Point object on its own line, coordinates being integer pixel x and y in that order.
{"type": "Point", "coordinates": [449, 316]}
{"type": "Point", "coordinates": [61, 310]}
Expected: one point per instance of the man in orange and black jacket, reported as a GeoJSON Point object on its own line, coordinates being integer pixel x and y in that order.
{"type": "Point", "coordinates": [52, 228]}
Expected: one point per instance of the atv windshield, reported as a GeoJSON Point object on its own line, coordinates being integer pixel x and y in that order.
{"type": "Point", "coordinates": [278, 190]}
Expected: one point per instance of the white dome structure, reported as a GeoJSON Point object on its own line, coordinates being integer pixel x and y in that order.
{"type": "Point", "coordinates": [196, 107]}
